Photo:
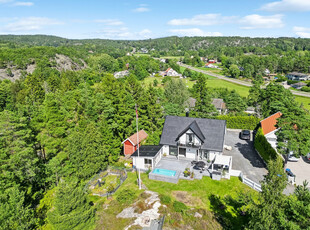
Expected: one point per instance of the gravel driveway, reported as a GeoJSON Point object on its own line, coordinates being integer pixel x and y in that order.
{"type": "Point", "coordinates": [244, 157]}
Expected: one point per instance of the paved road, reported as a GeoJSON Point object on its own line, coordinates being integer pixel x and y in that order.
{"type": "Point", "coordinates": [236, 81]}
{"type": "Point", "coordinates": [244, 157]}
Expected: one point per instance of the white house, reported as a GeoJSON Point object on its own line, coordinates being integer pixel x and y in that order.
{"type": "Point", "coordinates": [298, 76]}
{"type": "Point", "coordinates": [269, 128]}
{"type": "Point", "coordinates": [172, 73]}
{"type": "Point", "coordinates": [121, 74]}
{"type": "Point", "coordinates": [184, 137]}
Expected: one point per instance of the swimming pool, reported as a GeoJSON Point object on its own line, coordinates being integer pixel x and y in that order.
{"type": "Point", "coordinates": [164, 172]}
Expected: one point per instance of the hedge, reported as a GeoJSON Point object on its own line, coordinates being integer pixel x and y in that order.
{"type": "Point", "coordinates": [263, 147]}
{"type": "Point", "coordinates": [240, 122]}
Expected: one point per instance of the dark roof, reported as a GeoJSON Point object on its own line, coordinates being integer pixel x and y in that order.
{"type": "Point", "coordinates": [218, 103]}
{"type": "Point", "coordinates": [196, 130]}
{"type": "Point", "coordinates": [298, 74]}
{"type": "Point", "coordinates": [147, 151]}
{"type": "Point", "coordinates": [213, 131]}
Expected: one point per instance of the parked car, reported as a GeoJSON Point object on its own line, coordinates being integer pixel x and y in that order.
{"type": "Point", "coordinates": [292, 157]}
{"type": "Point", "coordinates": [245, 135]}
{"type": "Point", "coordinates": [308, 156]}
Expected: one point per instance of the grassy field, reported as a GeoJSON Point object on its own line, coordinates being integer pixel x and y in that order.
{"type": "Point", "coordinates": [304, 100]}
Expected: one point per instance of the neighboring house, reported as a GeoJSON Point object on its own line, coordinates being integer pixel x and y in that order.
{"type": "Point", "coordinates": [220, 105]}
{"type": "Point", "coordinates": [208, 65]}
{"type": "Point", "coordinates": [269, 128]}
{"type": "Point", "coordinates": [131, 143]}
{"type": "Point", "coordinates": [299, 85]}
{"type": "Point", "coordinates": [162, 60]}
{"type": "Point", "coordinates": [190, 104]}
{"type": "Point", "coordinates": [185, 137]}
{"type": "Point", "coordinates": [298, 76]}
{"type": "Point", "coordinates": [144, 50]}
{"type": "Point", "coordinates": [172, 73]}
{"type": "Point", "coordinates": [266, 71]}
{"type": "Point", "coordinates": [121, 74]}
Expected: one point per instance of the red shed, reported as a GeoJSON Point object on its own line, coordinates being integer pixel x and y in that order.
{"type": "Point", "coordinates": [131, 144]}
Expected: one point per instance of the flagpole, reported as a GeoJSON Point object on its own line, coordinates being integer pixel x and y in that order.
{"type": "Point", "coordinates": [137, 120]}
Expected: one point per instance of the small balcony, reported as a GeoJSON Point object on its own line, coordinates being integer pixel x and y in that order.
{"type": "Point", "coordinates": [189, 144]}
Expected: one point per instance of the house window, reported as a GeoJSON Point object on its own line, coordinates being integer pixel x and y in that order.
{"type": "Point", "coordinates": [189, 137]}
{"type": "Point", "coordinates": [147, 161]}
{"type": "Point", "coordinates": [173, 150]}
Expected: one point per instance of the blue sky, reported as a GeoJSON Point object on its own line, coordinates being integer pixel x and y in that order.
{"type": "Point", "coordinates": [133, 19]}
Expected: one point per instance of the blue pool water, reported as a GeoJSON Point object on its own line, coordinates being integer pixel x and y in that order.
{"type": "Point", "coordinates": [164, 172]}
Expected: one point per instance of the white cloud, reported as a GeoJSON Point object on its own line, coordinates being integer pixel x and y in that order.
{"type": "Point", "coordinates": [123, 33]}
{"type": "Point", "coordinates": [255, 21]}
{"type": "Point", "coordinates": [141, 9]}
{"type": "Point", "coordinates": [23, 4]}
{"type": "Point", "coordinates": [145, 33]}
{"type": "Point", "coordinates": [302, 32]}
{"type": "Point", "coordinates": [110, 22]}
{"type": "Point", "coordinates": [194, 32]}
{"type": "Point", "coordinates": [202, 20]}
{"type": "Point", "coordinates": [31, 24]}
{"type": "Point", "coordinates": [287, 5]}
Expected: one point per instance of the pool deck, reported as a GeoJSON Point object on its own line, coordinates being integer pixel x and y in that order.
{"type": "Point", "coordinates": [178, 165]}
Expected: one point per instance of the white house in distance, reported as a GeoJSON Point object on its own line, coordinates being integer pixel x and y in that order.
{"type": "Point", "coordinates": [298, 76]}
{"type": "Point", "coordinates": [121, 74]}
{"type": "Point", "coordinates": [184, 137]}
{"type": "Point", "coordinates": [172, 73]}
{"type": "Point", "coordinates": [269, 128]}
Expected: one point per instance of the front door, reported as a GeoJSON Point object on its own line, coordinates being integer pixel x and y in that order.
{"type": "Point", "coordinates": [182, 152]}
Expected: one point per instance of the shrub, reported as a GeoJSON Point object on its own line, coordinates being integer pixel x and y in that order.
{"type": "Point", "coordinates": [179, 206]}
{"type": "Point", "coordinates": [263, 147]}
{"type": "Point", "coordinates": [126, 196]}
{"type": "Point", "coordinates": [240, 122]}
{"type": "Point", "coordinates": [305, 88]}
{"type": "Point", "coordinates": [165, 199]}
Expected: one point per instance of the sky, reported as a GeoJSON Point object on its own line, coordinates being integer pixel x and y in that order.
{"type": "Point", "coordinates": [136, 19]}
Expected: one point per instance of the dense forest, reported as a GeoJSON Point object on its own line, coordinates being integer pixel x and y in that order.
{"type": "Point", "coordinates": [60, 127]}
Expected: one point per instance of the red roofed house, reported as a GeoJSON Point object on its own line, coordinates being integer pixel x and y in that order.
{"type": "Point", "coordinates": [269, 128]}
{"type": "Point", "coordinates": [131, 143]}
{"type": "Point", "coordinates": [171, 72]}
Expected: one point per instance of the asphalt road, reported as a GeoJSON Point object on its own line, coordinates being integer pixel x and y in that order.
{"type": "Point", "coordinates": [244, 156]}
{"type": "Point", "coordinates": [236, 81]}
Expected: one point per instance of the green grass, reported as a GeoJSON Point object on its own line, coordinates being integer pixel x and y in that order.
{"type": "Point", "coordinates": [218, 83]}
{"type": "Point", "coordinates": [172, 57]}
{"type": "Point", "coordinates": [204, 196]}
{"type": "Point", "coordinates": [107, 209]}
{"type": "Point", "coordinates": [304, 100]}
{"type": "Point", "coordinates": [201, 189]}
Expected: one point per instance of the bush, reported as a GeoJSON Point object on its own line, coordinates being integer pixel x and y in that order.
{"type": "Point", "coordinates": [240, 122]}
{"type": "Point", "coordinates": [126, 196]}
{"type": "Point", "coordinates": [165, 199]}
{"type": "Point", "coordinates": [263, 147]}
{"type": "Point", "coordinates": [305, 88]}
{"type": "Point", "coordinates": [290, 82]}
{"type": "Point", "coordinates": [179, 206]}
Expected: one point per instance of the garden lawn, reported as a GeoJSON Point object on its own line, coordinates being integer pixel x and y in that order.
{"type": "Point", "coordinates": [200, 189]}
